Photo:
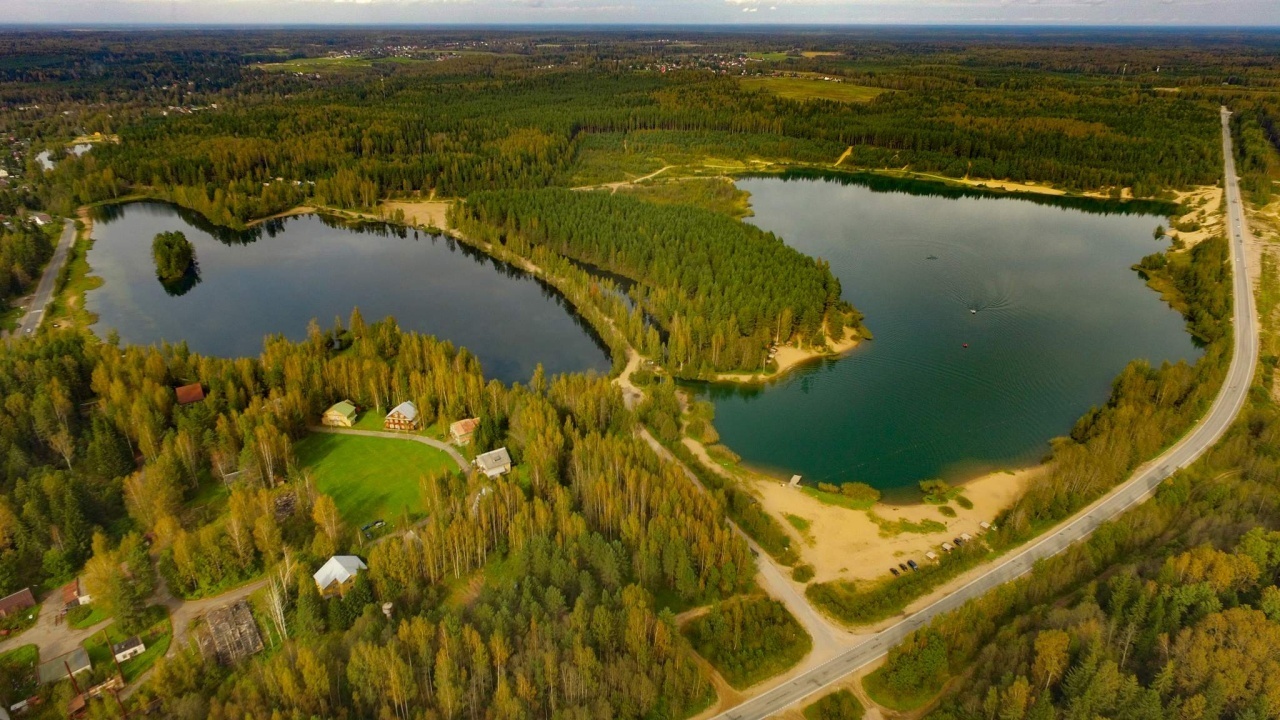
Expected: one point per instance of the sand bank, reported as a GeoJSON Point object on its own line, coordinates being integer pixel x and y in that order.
{"type": "Point", "coordinates": [790, 357]}
{"type": "Point", "coordinates": [845, 544]}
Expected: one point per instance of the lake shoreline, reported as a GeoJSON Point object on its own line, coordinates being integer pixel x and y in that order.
{"type": "Point", "coordinates": [844, 544]}
{"type": "Point", "coordinates": [789, 358]}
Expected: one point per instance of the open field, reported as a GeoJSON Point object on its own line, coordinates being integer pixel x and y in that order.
{"type": "Point", "coordinates": [370, 478]}
{"type": "Point", "coordinates": [156, 638]}
{"type": "Point", "coordinates": [811, 89]}
{"type": "Point", "coordinates": [318, 64]}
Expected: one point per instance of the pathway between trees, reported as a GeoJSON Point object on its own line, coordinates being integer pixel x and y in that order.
{"type": "Point", "coordinates": [453, 451]}
{"type": "Point", "coordinates": [44, 290]}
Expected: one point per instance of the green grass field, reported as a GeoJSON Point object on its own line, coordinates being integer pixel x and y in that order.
{"type": "Point", "coordinates": [156, 637]}
{"type": "Point", "coordinates": [370, 478]}
{"type": "Point", "coordinates": [806, 89]}
{"type": "Point", "coordinates": [20, 665]}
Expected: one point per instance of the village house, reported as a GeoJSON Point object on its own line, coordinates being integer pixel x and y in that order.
{"type": "Point", "coordinates": [17, 602]}
{"type": "Point", "coordinates": [41, 219]}
{"type": "Point", "coordinates": [127, 649]}
{"type": "Point", "coordinates": [494, 463]}
{"type": "Point", "coordinates": [337, 575]}
{"type": "Point", "coordinates": [403, 417]}
{"type": "Point", "coordinates": [340, 414]}
{"type": "Point", "coordinates": [73, 595]}
{"type": "Point", "coordinates": [461, 431]}
{"type": "Point", "coordinates": [188, 394]}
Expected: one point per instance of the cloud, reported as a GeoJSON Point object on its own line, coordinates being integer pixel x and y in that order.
{"type": "Point", "coordinates": [1247, 13]}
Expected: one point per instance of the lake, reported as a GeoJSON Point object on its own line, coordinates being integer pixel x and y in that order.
{"type": "Point", "coordinates": [1043, 295]}
{"type": "Point", "coordinates": [276, 278]}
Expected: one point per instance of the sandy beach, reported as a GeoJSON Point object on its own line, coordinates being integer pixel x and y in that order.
{"type": "Point", "coordinates": [845, 544]}
{"type": "Point", "coordinates": [790, 357]}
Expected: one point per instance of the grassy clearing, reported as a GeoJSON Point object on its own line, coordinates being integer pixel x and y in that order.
{"type": "Point", "coordinates": [890, 528]}
{"type": "Point", "coordinates": [798, 522]}
{"type": "Point", "coordinates": [811, 89]}
{"type": "Point", "coordinates": [73, 283]}
{"type": "Point", "coordinates": [319, 64]}
{"type": "Point", "coordinates": [716, 194]}
{"type": "Point", "coordinates": [19, 666]}
{"type": "Point", "coordinates": [156, 638]}
{"type": "Point", "coordinates": [371, 478]}
{"type": "Point", "coordinates": [839, 500]}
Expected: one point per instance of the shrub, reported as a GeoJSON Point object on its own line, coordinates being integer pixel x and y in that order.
{"type": "Point", "coordinates": [802, 573]}
{"type": "Point", "coordinates": [839, 705]}
{"type": "Point", "coordinates": [749, 639]}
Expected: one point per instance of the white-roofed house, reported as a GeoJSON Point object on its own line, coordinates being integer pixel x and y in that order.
{"type": "Point", "coordinates": [494, 463]}
{"type": "Point", "coordinates": [403, 417]}
{"type": "Point", "coordinates": [337, 575]}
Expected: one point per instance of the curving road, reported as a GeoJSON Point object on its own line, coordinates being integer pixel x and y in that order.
{"type": "Point", "coordinates": [44, 291]}
{"type": "Point", "coordinates": [1221, 414]}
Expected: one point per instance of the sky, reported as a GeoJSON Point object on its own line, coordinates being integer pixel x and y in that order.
{"type": "Point", "coordinates": [1248, 13]}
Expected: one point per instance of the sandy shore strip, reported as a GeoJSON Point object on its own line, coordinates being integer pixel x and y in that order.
{"type": "Point", "coordinates": [790, 357]}
{"type": "Point", "coordinates": [844, 544]}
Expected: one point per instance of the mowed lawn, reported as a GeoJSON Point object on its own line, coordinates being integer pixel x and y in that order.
{"type": "Point", "coordinates": [815, 89]}
{"type": "Point", "coordinates": [370, 478]}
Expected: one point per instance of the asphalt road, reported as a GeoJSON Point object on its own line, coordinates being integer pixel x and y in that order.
{"type": "Point", "coordinates": [44, 291]}
{"type": "Point", "coordinates": [1221, 414]}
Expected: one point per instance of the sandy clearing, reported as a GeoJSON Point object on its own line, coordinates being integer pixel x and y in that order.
{"type": "Point", "coordinates": [846, 545]}
{"type": "Point", "coordinates": [427, 213]}
{"type": "Point", "coordinates": [1206, 204]}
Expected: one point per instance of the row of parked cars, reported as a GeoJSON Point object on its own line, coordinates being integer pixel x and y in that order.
{"type": "Point", "coordinates": [957, 541]}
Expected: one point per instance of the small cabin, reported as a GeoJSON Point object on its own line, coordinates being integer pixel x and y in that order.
{"type": "Point", "coordinates": [462, 431]}
{"type": "Point", "coordinates": [128, 649]}
{"type": "Point", "coordinates": [494, 463]}
{"type": "Point", "coordinates": [403, 417]}
{"type": "Point", "coordinates": [337, 575]}
{"type": "Point", "coordinates": [340, 414]}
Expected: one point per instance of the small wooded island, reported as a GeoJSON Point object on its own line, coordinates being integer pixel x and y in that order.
{"type": "Point", "coordinates": [174, 256]}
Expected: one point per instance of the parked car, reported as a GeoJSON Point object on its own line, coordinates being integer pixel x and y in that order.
{"type": "Point", "coordinates": [957, 541]}
{"type": "Point", "coordinates": [903, 566]}
{"type": "Point", "coordinates": [895, 572]}
{"type": "Point", "coordinates": [912, 564]}
{"type": "Point", "coordinates": [947, 547]}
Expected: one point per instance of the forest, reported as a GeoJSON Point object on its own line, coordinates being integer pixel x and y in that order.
{"type": "Point", "coordinates": [722, 290]}
{"type": "Point", "coordinates": [596, 580]}
{"type": "Point", "coordinates": [239, 140]}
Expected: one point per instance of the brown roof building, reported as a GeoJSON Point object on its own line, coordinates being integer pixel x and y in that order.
{"type": "Point", "coordinates": [188, 394]}
{"type": "Point", "coordinates": [17, 602]}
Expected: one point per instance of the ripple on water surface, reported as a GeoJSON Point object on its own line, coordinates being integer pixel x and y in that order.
{"type": "Point", "coordinates": [1044, 296]}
